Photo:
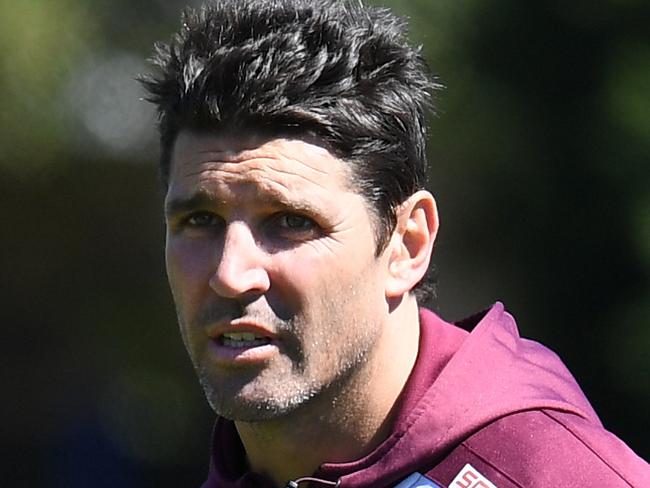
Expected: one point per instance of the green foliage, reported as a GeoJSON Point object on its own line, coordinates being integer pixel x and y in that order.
{"type": "Point", "coordinates": [42, 41]}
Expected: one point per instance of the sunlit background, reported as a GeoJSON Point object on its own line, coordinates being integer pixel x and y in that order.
{"type": "Point", "coordinates": [540, 163]}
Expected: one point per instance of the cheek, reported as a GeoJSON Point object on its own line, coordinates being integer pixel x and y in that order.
{"type": "Point", "coordinates": [189, 268]}
{"type": "Point", "coordinates": [307, 277]}
{"type": "Point", "coordinates": [301, 269]}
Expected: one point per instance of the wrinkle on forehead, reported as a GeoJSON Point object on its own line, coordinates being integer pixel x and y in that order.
{"type": "Point", "coordinates": [284, 163]}
{"type": "Point", "coordinates": [229, 158]}
{"type": "Point", "coordinates": [266, 176]}
{"type": "Point", "coordinates": [289, 173]}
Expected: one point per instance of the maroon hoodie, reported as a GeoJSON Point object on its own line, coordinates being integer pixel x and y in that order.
{"type": "Point", "coordinates": [480, 410]}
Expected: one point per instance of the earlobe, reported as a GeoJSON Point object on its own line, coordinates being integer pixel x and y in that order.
{"type": "Point", "coordinates": [411, 243]}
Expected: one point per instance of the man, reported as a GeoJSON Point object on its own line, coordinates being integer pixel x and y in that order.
{"type": "Point", "coordinates": [299, 236]}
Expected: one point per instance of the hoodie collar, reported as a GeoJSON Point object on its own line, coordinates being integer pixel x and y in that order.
{"type": "Point", "coordinates": [492, 374]}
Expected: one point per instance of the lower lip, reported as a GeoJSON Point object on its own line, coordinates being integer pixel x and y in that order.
{"type": "Point", "coordinates": [242, 355]}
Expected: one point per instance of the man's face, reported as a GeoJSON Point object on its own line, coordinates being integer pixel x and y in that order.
{"type": "Point", "coordinates": [271, 261]}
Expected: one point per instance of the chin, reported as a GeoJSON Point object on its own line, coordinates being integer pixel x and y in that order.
{"type": "Point", "coordinates": [253, 399]}
{"type": "Point", "coordinates": [255, 409]}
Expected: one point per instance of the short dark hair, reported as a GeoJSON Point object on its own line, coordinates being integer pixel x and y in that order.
{"type": "Point", "coordinates": [337, 70]}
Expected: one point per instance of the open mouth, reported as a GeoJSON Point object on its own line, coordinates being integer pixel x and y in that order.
{"type": "Point", "coordinates": [243, 340]}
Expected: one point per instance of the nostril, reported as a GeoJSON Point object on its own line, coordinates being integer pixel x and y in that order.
{"type": "Point", "coordinates": [231, 282]}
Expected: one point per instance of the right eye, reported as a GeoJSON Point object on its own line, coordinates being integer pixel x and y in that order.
{"type": "Point", "coordinates": [202, 219]}
{"type": "Point", "coordinates": [198, 224]}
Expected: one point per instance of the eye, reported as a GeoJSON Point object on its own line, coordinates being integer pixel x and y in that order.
{"type": "Point", "coordinates": [201, 219]}
{"type": "Point", "coordinates": [293, 227]}
{"type": "Point", "coordinates": [295, 222]}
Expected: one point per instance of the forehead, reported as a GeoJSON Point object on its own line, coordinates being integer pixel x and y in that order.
{"type": "Point", "coordinates": [252, 163]}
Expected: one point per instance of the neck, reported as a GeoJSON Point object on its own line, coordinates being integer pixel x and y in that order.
{"type": "Point", "coordinates": [346, 422]}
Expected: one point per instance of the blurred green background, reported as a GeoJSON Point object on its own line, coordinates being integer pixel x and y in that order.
{"type": "Point", "coordinates": [539, 160]}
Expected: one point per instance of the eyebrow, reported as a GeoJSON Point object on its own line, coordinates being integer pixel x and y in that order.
{"type": "Point", "coordinates": [180, 205]}
{"type": "Point", "coordinates": [202, 199]}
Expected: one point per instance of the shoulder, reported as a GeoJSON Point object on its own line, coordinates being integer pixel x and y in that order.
{"type": "Point", "coordinates": [541, 448]}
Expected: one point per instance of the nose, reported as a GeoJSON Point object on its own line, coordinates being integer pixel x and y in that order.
{"type": "Point", "coordinates": [240, 269]}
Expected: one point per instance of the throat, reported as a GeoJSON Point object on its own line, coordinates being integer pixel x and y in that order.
{"type": "Point", "coordinates": [329, 429]}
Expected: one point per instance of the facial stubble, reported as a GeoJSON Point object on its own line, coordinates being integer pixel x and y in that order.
{"type": "Point", "coordinates": [320, 357]}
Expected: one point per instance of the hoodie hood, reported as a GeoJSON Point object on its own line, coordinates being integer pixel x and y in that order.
{"type": "Point", "coordinates": [460, 383]}
{"type": "Point", "coordinates": [493, 373]}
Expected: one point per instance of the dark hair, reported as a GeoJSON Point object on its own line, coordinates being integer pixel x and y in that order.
{"type": "Point", "coordinates": [337, 70]}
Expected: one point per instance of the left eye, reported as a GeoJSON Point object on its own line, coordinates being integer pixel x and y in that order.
{"type": "Point", "coordinates": [295, 222]}
{"type": "Point", "coordinates": [292, 227]}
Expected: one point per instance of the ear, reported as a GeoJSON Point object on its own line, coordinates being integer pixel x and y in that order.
{"type": "Point", "coordinates": [411, 243]}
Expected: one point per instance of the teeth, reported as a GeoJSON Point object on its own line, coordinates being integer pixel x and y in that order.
{"type": "Point", "coordinates": [241, 336]}
{"type": "Point", "coordinates": [243, 339]}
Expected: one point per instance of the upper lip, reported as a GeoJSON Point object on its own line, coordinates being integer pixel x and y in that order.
{"type": "Point", "coordinates": [239, 326]}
